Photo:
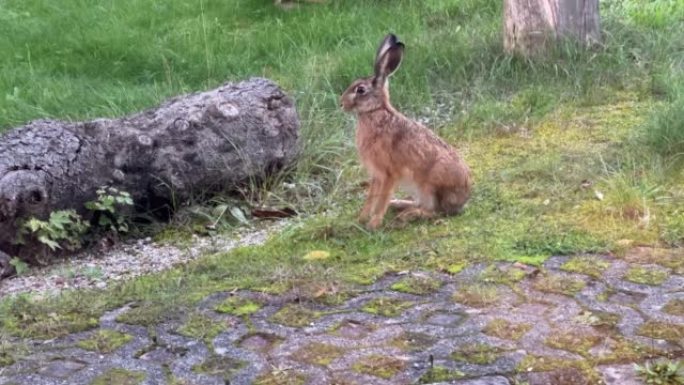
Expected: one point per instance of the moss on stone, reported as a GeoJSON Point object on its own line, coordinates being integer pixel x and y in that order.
{"type": "Point", "coordinates": [219, 366]}
{"type": "Point", "coordinates": [202, 327]}
{"type": "Point", "coordinates": [295, 316]}
{"type": "Point", "coordinates": [105, 341]}
{"type": "Point", "coordinates": [261, 342]}
{"type": "Point", "coordinates": [455, 268]}
{"type": "Point", "coordinates": [646, 276]}
{"type": "Point", "coordinates": [532, 363]}
{"type": "Point", "coordinates": [419, 285]}
{"type": "Point", "coordinates": [318, 354]}
{"type": "Point", "coordinates": [352, 329]}
{"type": "Point", "coordinates": [146, 314]}
{"type": "Point", "coordinates": [379, 366]}
{"type": "Point", "coordinates": [414, 342]}
{"type": "Point", "coordinates": [238, 306]}
{"type": "Point", "coordinates": [505, 275]}
{"type": "Point", "coordinates": [662, 330]}
{"type": "Point", "coordinates": [477, 295]}
{"type": "Point", "coordinates": [675, 307]}
{"type": "Point", "coordinates": [605, 295]}
{"type": "Point", "coordinates": [28, 319]}
{"type": "Point", "coordinates": [385, 306]}
{"type": "Point", "coordinates": [6, 359]}
{"type": "Point", "coordinates": [670, 258]}
{"type": "Point", "coordinates": [622, 350]}
{"type": "Point", "coordinates": [559, 284]}
{"type": "Point", "coordinates": [479, 354]}
{"type": "Point", "coordinates": [576, 341]}
{"type": "Point", "coordinates": [281, 377]}
{"type": "Point", "coordinates": [591, 266]}
{"type": "Point", "coordinates": [119, 376]}
{"type": "Point", "coordinates": [440, 374]}
{"type": "Point", "coordinates": [502, 328]}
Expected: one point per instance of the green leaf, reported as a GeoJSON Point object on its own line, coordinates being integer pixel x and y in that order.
{"type": "Point", "coordinates": [49, 242]}
{"type": "Point", "coordinates": [20, 266]}
{"type": "Point", "coordinates": [238, 214]}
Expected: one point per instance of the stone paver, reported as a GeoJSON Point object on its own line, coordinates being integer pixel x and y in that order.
{"type": "Point", "coordinates": [549, 326]}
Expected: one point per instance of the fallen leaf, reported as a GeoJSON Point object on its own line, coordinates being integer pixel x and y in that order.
{"type": "Point", "coordinates": [238, 214]}
{"type": "Point", "coordinates": [598, 194]}
{"type": "Point", "coordinates": [316, 255]}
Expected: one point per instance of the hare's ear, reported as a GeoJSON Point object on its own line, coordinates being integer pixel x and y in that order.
{"type": "Point", "coordinates": [388, 61]}
{"type": "Point", "coordinates": [389, 40]}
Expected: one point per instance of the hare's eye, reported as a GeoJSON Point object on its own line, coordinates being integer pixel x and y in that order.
{"type": "Point", "coordinates": [360, 90]}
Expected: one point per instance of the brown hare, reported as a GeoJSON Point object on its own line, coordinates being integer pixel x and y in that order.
{"type": "Point", "coordinates": [397, 151]}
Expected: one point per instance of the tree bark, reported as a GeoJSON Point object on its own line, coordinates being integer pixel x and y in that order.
{"type": "Point", "coordinates": [531, 27]}
{"type": "Point", "coordinates": [197, 143]}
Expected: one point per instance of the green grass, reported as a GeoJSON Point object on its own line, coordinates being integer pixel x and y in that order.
{"type": "Point", "coordinates": [534, 133]}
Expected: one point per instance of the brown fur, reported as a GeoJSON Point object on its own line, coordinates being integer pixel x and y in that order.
{"type": "Point", "coordinates": [397, 151]}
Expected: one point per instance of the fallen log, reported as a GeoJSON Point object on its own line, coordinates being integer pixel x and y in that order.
{"type": "Point", "coordinates": [198, 143]}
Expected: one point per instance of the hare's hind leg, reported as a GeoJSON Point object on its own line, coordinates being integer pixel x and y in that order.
{"type": "Point", "coordinates": [402, 204]}
{"type": "Point", "coordinates": [423, 208]}
{"type": "Point", "coordinates": [415, 213]}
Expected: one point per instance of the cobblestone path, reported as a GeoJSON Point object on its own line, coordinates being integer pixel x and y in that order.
{"type": "Point", "coordinates": [576, 320]}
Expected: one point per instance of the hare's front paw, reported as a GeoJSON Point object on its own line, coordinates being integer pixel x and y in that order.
{"type": "Point", "coordinates": [364, 215]}
{"type": "Point", "coordinates": [374, 223]}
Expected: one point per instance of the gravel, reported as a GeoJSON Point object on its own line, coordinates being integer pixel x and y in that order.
{"type": "Point", "coordinates": [96, 269]}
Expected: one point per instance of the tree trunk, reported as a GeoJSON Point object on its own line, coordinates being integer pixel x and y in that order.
{"type": "Point", "coordinates": [532, 26]}
{"type": "Point", "coordinates": [197, 143]}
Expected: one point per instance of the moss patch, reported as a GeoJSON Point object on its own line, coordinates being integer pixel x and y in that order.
{"type": "Point", "coordinates": [364, 275]}
{"type": "Point", "coordinates": [479, 354]}
{"type": "Point", "coordinates": [605, 295]}
{"type": "Point", "coordinates": [352, 329]}
{"type": "Point", "coordinates": [219, 366]}
{"type": "Point", "coordinates": [477, 295]}
{"type": "Point", "coordinates": [146, 314]}
{"type": "Point", "coordinates": [440, 374]}
{"type": "Point", "coordinates": [295, 316]}
{"type": "Point", "coordinates": [532, 363]}
{"type": "Point", "coordinates": [386, 307]}
{"type": "Point", "coordinates": [6, 359]}
{"type": "Point", "coordinates": [44, 320]}
{"type": "Point", "coordinates": [238, 306]}
{"type": "Point", "coordinates": [624, 351]}
{"type": "Point", "coordinates": [285, 377]}
{"type": "Point", "coordinates": [505, 329]}
{"type": "Point", "coordinates": [416, 284]}
{"type": "Point", "coordinates": [598, 319]}
{"type": "Point", "coordinates": [670, 258]}
{"type": "Point", "coordinates": [646, 276]}
{"type": "Point", "coordinates": [318, 354]}
{"type": "Point", "coordinates": [662, 330]}
{"type": "Point", "coordinates": [505, 275]}
{"type": "Point", "coordinates": [559, 284]}
{"type": "Point", "coordinates": [593, 267]}
{"type": "Point", "coordinates": [577, 341]}
{"type": "Point", "coordinates": [118, 376]}
{"type": "Point", "coordinates": [675, 307]}
{"type": "Point", "coordinates": [260, 342]}
{"type": "Point", "coordinates": [414, 342]}
{"type": "Point", "coordinates": [455, 268]}
{"type": "Point", "coordinates": [202, 327]}
{"type": "Point", "coordinates": [105, 341]}
{"type": "Point", "coordinates": [379, 366]}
